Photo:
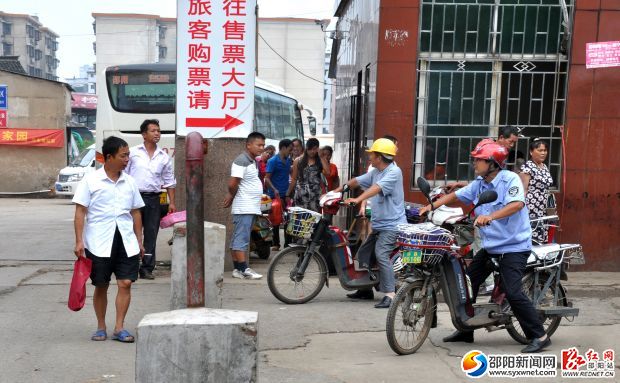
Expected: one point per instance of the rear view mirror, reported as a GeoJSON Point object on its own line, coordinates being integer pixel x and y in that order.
{"type": "Point", "coordinates": [312, 125]}
{"type": "Point", "coordinates": [424, 186]}
{"type": "Point", "coordinates": [487, 197]}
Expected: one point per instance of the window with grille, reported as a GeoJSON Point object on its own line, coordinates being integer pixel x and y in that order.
{"type": "Point", "coordinates": [485, 64]}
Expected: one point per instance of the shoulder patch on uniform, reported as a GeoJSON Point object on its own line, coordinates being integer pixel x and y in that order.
{"type": "Point", "coordinates": [513, 191]}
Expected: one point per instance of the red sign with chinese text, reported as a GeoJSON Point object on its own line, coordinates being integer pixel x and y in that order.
{"type": "Point", "coordinates": [53, 138]}
{"type": "Point", "coordinates": [3, 118]}
{"type": "Point", "coordinates": [83, 101]}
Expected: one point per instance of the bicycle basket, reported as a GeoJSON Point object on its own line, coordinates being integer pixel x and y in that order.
{"type": "Point", "coordinates": [426, 234]}
{"type": "Point", "coordinates": [301, 222]}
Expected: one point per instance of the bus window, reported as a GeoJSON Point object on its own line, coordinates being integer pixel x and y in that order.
{"type": "Point", "coordinates": [142, 91]}
{"type": "Point", "coordinates": [261, 113]}
{"type": "Point", "coordinates": [288, 120]}
{"type": "Point", "coordinates": [276, 113]}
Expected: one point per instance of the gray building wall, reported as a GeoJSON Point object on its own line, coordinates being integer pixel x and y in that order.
{"type": "Point", "coordinates": [34, 104]}
{"type": "Point", "coordinates": [35, 44]}
{"type": "Point", "coordinates": [356, 59]}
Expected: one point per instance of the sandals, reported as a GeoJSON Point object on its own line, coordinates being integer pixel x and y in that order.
{"type": "Point", "coordinates": [99, 335]}
{"type": "Point", "coordinates": [123, 336]}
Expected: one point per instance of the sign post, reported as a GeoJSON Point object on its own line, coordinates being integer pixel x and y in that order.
{"type": "Point", "coordinates": [216, 48]}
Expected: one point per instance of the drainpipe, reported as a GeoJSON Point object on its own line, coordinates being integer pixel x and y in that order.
{"type": "Point", "coordinates": [194, 173]}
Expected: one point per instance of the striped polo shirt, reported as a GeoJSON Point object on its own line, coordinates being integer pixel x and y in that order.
{"type": "Point", "coordinates": [247, 199]}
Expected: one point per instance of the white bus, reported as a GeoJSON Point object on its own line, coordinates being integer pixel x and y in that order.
{"type": "Point", "coordinates": [134, 93]}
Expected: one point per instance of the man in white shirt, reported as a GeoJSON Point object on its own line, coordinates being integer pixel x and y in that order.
{"type": "Point", "coordinates": [108, 230]}
{"type": "Point", "coordinates": [244, 194]}
{"type": "Point", "coordinates": [151, 167]}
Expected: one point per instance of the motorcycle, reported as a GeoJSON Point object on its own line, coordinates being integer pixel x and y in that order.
{"type": "Point", "coordinates": [433, 262]}
{"type": "Point", "coordinates": [298, 273]}
{"type": "Point", "coordinates": [261, 237]}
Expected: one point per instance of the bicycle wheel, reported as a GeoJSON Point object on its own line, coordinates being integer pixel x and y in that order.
{"type": "Point", "coordinates": [550, 323]}
{"type": "Point", "coordinates": [409, 318]}
{"type": "Point", "coordinates": [283, 281]}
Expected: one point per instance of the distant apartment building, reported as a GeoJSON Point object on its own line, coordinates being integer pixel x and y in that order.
{"type": "Point", "coordinates": [35, 45]}
{"type": "Point", "coordinates": [85, 82]}
{"type": "Point", "coordinates": [136, 38]}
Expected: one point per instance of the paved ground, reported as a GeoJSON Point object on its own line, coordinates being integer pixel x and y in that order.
{"type": "Point", "coordinates": [330, 339]}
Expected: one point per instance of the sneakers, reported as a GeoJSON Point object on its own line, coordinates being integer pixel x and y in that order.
{"type": "Point", "coordinates": [247, 274]}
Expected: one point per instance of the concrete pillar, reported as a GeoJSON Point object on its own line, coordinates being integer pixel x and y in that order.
{"type": "Point", "coordinates": [215, 238]}
{"type": "Point", "coordinates": [222, 152]}
{"type": "Point", "coordinates": [197, 345]}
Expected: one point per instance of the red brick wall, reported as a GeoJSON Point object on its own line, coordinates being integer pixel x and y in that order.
{"type": "Point", "coordinates": [590, 203]}
{"type": "Point", "coordinates": [396, 80]}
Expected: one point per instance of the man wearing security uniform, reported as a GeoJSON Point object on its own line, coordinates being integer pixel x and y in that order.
{"type": "Point", "coordinates": [506, 235]}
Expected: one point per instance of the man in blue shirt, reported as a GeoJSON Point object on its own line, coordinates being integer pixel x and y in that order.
{"type": "Point", "coordinates": [383, 185]}
{"type": "Point", "coordinates": [277, 178]}
{"type": "Point", "coordinates": [506, 235]}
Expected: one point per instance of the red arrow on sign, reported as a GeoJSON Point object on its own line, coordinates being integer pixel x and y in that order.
{"type": "Point", "coordinates": [227, 122]}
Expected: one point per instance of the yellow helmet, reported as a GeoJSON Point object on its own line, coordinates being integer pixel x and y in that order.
{"type": "Point", "coordinates": [383, 146]}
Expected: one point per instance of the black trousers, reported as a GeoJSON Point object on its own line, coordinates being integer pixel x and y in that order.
{"type": "Point", "coordinates": [511, 268]}
{"type": "Point", "coordinates": [276, 237]}
{"type": "Point", "coordinates": [151, 213]}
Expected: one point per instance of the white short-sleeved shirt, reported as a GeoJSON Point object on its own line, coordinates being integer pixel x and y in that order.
{"type": "Point", "coordinates": [109, 206]}
{"type": "Point", "coordinates": [150, 173]}
{"type": "Point", "coordinates": [247, 199]}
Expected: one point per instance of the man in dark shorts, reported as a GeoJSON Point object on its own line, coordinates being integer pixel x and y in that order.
{"type": "Point", "coordinates": [108, 230]}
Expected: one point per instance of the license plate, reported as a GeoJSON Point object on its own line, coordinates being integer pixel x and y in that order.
{"type": "Point", "coordinates": [163, 198]}
{"type": "Point", "coordinates": [411, 256]}
{"type": "Point", "coordinates": [58, 187]}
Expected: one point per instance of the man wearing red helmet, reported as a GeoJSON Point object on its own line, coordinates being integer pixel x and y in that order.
{"type": "Point", "coordinates": [506, 235]}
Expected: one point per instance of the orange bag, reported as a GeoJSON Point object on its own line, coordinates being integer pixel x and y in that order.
{"type": "Point", "coordinates": [275, 216]}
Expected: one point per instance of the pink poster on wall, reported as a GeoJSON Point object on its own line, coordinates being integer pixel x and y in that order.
{"type": "Point", "coordinates": [603, 54]}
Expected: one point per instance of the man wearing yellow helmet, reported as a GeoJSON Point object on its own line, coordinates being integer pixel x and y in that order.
{"type": "Point", "coordinates": [383, 185]}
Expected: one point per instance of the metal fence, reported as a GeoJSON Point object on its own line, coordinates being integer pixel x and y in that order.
{"type": "Point", "coordinates": [485, 64]}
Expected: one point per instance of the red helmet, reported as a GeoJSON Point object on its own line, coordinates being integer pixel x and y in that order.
{"type": "Point", "coordinates": [490, 150]}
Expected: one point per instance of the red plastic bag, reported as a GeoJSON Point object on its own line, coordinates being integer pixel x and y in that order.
{"type": "Point", "coordinates": [77, 292]}
{"type": "Point", "coordinates": [276, 212]}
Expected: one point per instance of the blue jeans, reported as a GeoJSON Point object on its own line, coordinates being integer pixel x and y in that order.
{"type": "Point", "coordinates": [381, 244]}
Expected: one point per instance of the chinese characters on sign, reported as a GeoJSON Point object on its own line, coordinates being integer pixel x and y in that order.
{"type": "Point", "coordinates": [603, 54]}
{"type": "Point", "coordinates": [215, 67]}
{"type": "Point", "coordinates": [33, 137]}
{"type": "Point", "coordinates": [3, 118]}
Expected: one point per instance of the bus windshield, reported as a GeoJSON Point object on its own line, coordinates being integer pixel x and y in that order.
{"type": "Point", "coordinates": [142, 91]}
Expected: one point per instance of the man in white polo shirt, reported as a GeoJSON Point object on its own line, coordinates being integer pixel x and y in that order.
{"type": "Point", "coordinates": [108, 230]}
{"type": "Point", "coordinates": [244, 194]}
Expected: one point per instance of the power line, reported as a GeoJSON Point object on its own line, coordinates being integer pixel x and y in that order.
{"type": "Point", "coordinates": [293, 66]}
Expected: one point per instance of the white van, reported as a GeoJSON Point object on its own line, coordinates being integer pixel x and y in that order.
{"type": "Point", "coordinates": [70, 176]}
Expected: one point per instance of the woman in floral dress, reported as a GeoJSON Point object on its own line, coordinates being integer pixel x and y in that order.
{"type": "Point", "coordinates": [306, 179]}
{"type": "Point", "coordinates": [536, 181]}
